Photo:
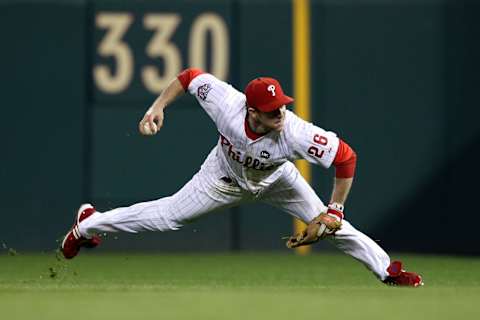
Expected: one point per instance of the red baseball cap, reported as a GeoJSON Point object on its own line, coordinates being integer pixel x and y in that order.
{"type": "Point", "coordinates": [266, 94]}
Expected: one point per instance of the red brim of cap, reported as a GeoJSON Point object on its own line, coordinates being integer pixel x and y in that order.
{"type": "Point", "coordinates": [274, 105]}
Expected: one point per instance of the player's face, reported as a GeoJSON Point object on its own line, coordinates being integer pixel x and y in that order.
{"type": "Point", "coordinates": [273, 120]}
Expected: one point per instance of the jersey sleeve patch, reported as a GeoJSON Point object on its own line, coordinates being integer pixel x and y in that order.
{"type": "Point", "coordinates": [211, 94]}
{"type": "Point", "coordinates": [203, 90]}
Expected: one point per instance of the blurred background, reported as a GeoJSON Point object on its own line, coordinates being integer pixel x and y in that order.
{"type": "Point", "coordinates": [396, 79]}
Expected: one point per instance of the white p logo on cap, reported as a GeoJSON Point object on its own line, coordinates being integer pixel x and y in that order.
{"type": "Point", "coordinates": [271, 88]}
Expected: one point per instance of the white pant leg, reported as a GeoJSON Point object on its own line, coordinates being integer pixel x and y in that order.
{"type": "Point", "coordinates": [204, 193]}
{"type": "Point", "coordinates": [363, 248]}
{"type": "Point", "coordinates": [293, 194]}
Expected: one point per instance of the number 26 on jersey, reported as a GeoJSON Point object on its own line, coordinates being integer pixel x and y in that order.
{"type": "Point", "coordinates": [321, 140]}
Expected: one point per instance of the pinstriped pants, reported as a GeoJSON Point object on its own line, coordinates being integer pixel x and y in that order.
{"type": "Point", "coordinates": [207, 192]}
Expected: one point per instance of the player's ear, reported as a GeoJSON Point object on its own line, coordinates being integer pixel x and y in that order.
{"type": "Point", "coordinates": [251, 110]}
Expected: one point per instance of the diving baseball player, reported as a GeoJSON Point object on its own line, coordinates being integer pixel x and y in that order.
{"type": "Point", "coordinates": [258, 140]}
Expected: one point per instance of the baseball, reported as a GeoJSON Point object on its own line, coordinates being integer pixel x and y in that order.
{"type": "Point", "coordinates": [323, 231]}
{"type": "Point", "coordinates": [150, 130]}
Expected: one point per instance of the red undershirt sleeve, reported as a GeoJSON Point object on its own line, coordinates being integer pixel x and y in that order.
{"type": "Point", "coordinates": [187, 75]}
{"type": "Point", "coordinates": [345, 161]}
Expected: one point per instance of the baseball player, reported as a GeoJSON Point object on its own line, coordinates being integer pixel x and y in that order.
{"type": "Point", "coordinates": [258, 140]}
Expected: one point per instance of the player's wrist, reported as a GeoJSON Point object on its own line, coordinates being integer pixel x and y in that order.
{"type": "Point", "coordinates": [160, 106]}
{"type": "Point", "coordinates": [335, 210]}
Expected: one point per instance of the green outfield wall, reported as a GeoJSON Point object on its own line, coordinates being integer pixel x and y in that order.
{"type": "Point", "coordinates": [397, 80]}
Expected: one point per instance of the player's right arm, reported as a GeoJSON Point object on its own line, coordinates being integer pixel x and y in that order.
{"type": "Point", "coordinates": [209, 91]}
{"type": "Point", "coordinates": [153, 119]}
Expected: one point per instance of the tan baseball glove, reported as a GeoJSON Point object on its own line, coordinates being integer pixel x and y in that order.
{"type": "Point", "coordinates": [324, 224]}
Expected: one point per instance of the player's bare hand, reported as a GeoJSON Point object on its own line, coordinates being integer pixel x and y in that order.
{"type": "Point", "coordinates": [152, 121]}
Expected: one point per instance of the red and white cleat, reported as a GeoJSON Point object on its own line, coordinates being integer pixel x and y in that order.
{"type": "Point", "coordinates": [399, 277]}
{"type": "Point", "coordinates": [73, 241]}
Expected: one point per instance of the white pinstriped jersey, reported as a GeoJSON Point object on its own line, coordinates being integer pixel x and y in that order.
{"type": "Point", "coordinates": [255, 164]}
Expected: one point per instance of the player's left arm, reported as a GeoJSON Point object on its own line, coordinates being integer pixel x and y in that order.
{"type": "Point", "coordinates": [345, 163]}
{"type": "Point", "coordinates": [324, 148]}
{"type": "Point", "coordinates": [341, 189]}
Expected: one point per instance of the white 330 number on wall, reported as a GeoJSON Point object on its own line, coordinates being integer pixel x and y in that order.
{"type": "Point", "coordinates": [116, 79]}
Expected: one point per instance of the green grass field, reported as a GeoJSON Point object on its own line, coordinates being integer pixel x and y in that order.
{"type": "Point", "coordinates": [244, 286]}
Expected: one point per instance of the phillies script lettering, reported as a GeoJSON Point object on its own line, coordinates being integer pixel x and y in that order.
{"type": "Point", "coordinates": [248, 161]}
